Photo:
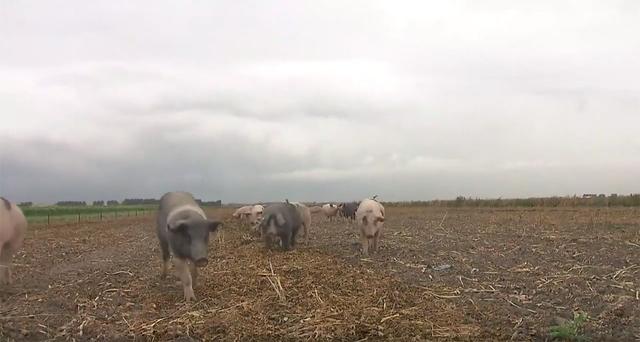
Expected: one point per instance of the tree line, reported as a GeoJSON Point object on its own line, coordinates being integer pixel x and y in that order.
{"type": "Point", "coordinates": [613, 200]}
{"type": "Point", "coordinates": [126, 201]}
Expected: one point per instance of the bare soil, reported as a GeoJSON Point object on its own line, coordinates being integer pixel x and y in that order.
{"type": "Point", "coordinates": [441, 274]}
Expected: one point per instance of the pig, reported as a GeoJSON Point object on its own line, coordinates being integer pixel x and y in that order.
{"type": "Point", "coordinates": [183, 230]}
{"type": "Point", "coordinates": [243, 212]}
{"type": "Point", "coordinates": [250, 213]}
{"type": "Point", "coordinates": [348, 210]}
{"type": "Point", "coordinates": [316, 209]}
{"type": "Point", "coordinates": [370, 218]}
{"type": "Point", "coordinates": [330, 210]}
{"type": "Point", "coordinates": [280, 220]}
{"type": "Point", "coordinates": [305, 215]}
{"type": "Point", "coordinates": [255, 216]}
{"type": "Point", "coordinates": [13, 226]}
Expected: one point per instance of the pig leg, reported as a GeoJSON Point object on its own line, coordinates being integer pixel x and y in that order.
{"type": "Point", "coordinates": [194, 274]}
{"type": "Point", "coordinates": [305, 237]}
{"type": "Point", "coordinates": [365, 244]}
{"type": "Point", "coordinates": [376, 240]}
{"type": "Point", "coordinates": [164, 246]}
{"type": "Point", "coordinates": [3, 269]}
{"type": "Point", "coordinates": [267, 241]}
{"type": "Point", "coordinates": [306, 232]}
{"type": "Point", "coordinates": [286, 241]}
{"type": "Point", "coordinates": [185, 278]}
{"type": "Point", "coordinates": [5, 265]}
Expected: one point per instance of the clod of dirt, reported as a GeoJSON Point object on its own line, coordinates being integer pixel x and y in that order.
{"type": "Point", "coordinates": [442, 267]}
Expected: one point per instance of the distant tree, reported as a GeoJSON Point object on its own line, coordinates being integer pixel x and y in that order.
{"type": "Point", "coordinates": [25, 204]}
{"type": "Point", "coordinates": [112, 203]}
{"type": "Point", "coordinates": [140, 201]}
{"type": "Point", "coordinates": [71, 203]}
{"type": "Point", "coordinates": [217, 204]}
{"type": "Point", "coordinates": [98, 203]}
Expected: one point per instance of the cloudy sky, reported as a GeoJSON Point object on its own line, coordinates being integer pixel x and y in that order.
{"type": "Point", "coordinates": [333, 100]}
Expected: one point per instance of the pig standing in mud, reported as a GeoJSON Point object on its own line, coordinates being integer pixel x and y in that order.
{"type": "Point", "coordinates": [13, 226]}
{"type": "Point", "coordinates": [183, 230]}
{"type": "Point", "coordinates": [280, 220]}
{"type": "Point", "coordinates": [370, 217]}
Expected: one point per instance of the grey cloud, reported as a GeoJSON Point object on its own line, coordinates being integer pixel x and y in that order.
{"type": "Point", "coordinates": [318, 101]}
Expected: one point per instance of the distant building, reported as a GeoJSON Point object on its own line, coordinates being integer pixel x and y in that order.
{"type": "Point", "coordinates": [589, 195]}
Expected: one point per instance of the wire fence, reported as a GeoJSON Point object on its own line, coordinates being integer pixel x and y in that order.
{"type": "Point", "coordinates": [50, 217]}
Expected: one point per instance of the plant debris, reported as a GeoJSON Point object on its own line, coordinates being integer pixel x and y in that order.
{"type": "Point", "coordinates": [515, 271]}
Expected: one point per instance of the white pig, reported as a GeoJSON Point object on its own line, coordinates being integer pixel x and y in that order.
{"type": "Point", "coordinates": [242, 212]}
{"type": "Point", "coordinates": [255, 216]}
{"type": "Point", "coordinates": [13, 226]}
{"type": "Point", "coordinates": [370, 218]}
{"type": "Point", "coordinates": [330, 210]}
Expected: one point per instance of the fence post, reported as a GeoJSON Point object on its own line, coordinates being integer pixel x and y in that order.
{"type": "Point", "coordinates": [48, 217]}
{"type": "Point", "coordinates": [100, 215]}
{"type": "Point", "coordinates": [78, 217]}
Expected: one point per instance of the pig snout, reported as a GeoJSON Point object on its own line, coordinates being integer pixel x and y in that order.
{"type": "Point", "coordinates": [199, 254]}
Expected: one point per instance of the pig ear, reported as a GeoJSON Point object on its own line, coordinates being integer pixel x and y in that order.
{"type": "Point", "coordinates": [214, 225]}
{"type": "Point", "coordinates": [178, 226]}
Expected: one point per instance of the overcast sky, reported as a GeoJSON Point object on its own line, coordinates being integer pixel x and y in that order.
{"type": "Point", "coordinates": [307, 100]}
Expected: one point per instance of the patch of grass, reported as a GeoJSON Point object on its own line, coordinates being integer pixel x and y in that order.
{"type": "Point", "coordinates": [84, 213]}
{"type": "Point", "coordinates": [30, 212]}
{"type": "Point", "coordinates": [571, 330]}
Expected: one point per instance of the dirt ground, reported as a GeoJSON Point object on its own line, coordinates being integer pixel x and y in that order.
{"type": "Point", "coordinates": [442, 274]}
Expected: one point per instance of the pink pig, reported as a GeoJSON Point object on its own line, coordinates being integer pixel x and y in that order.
{"type": "Point", "coordinates": [13, 226]}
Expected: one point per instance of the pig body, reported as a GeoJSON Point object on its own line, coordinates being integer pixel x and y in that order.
{"type": "Point", "coordinates": [243, 212]}
{"type": "Point", "coordinates": [370, 218]}
{"type": "Point", "coordinates": [281, 220]}
{"type": "Point", "coordinates": [13, 226]}
{"type": "Point", "coordinates": [330, 211]}
{"type": "Point", "coordinates": [348, 210]}
{"type": "Point", "coordinates": [316, 209]}
{"type": "Point", "coordinates": [305, 215]}
{"type": "Point", "coordinates": [249, 213]}
{"type": "Point", "coordinates": [183, 230]}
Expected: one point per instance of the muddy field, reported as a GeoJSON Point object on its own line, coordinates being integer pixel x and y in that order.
{"type": "Point", "coordinates": [442, 274]}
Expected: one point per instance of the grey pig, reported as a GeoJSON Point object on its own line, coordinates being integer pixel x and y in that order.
{"type": "Point", "coordinates": [281, 220]}
{"type": "Point", "coordinates": [183, 230]}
